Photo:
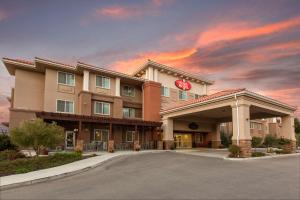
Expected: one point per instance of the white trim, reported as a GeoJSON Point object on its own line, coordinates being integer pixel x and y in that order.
{"type": "Point", "coordinates": [105, 77]}
{"type": "Point", "coordinates": [66, 78]}
{"type": "Point", "coordinates": [95, 102]}
{"type": "Point", "coordinates": [65, 101]}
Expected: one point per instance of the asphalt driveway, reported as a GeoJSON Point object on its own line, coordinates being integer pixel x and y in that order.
{"type": "Point", "coordinates": [173, 176]}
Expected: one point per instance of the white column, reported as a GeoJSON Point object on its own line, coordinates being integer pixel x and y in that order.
{"type": "Point", "coordinates": [86, 80]}
{"type": "Point", "coordinates": [118, 86]}
{"type": "Point", "coordinates": [146, 74]}
{"type": "Point", "coordinates": [156, 75]}
{"type": "Point", "coordinates": [150, 73]}
{"type": "Point", "coordinates": [241, 122]}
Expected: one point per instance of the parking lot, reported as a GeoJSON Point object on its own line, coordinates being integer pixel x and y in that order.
{"type": "Point", "coordinates": [170, 175]}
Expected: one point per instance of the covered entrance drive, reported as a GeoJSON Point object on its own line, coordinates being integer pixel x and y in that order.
{"type": "Point", "coordinates": [237, 106]}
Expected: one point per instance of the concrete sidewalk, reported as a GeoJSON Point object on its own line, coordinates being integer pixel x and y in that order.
{"type": "Point", "coordinates": [63, 170]}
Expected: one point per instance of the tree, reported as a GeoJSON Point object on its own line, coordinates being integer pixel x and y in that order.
{"type": "Point", "coordinates": [37, 134]}
{"type": "Point", "coordinates": [256, 141]}
{"type": "Point", "coordinates": [5, 143]}
{"type": "Point", "coordinates": [297, 126]}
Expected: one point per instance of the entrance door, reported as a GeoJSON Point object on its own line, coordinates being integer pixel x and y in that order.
{"type": "Point", "coordinates": [183, 141]}
{"type": "Point", "coordinates": [70, 140]}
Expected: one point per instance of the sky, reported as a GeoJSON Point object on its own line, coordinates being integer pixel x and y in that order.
{"type": "Point", "coordinates": [238, 44]}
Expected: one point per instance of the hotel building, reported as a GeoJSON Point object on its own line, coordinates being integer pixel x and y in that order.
{"type": "Point", "coordinates": [156, 107]}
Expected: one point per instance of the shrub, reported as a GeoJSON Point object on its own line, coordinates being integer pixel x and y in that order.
{"type": "Point", "coordinates": [37, 134]}
{"type": "Point", "coordinates": [283, 141]}
{"type": "Point", "coordinates": [270, 140]}
{"type": "Point", "coordinates": [258, 154]}
{"type": "Point", "coordinates": [298, 140]}
{"type": "Point", "coordinates": [226, 139]}
{"type": "Point", "coordinates": [5, 143]}
{"type": "Point", "coordinates": [10, 155]}
{"type": "Point", "coordinates": [256, 141]}
{"type": "Point", "coordinates": [234, 151]}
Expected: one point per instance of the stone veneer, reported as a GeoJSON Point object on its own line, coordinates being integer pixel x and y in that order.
{"type": "Point", "coordinates": [245, 147]}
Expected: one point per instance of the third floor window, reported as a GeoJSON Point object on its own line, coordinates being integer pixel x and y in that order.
{"type": "Point", "coordinates": [103, 82]}
{"type": "Point", "coordinates": [128, 91]}
{"type": "Point", "coordinates": [66, 78]}
{"type": "Point", "coordinates": [182, 95]}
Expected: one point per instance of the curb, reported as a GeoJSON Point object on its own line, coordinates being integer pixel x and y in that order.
{"type": "Point", "coordinates": [54, 177]}
{"type": "Point", "coordinates": [263, 157]}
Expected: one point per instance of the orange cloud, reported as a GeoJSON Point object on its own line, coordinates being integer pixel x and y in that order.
{"type": "Point", "coordinates": [242, 30]}
{"type": "Point", "coordinates": [170, 57]}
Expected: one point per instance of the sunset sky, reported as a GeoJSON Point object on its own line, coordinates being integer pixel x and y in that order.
{"type": "Point", "coordinates": [251, 44]}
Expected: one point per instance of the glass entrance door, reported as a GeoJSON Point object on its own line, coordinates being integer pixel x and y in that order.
{"type": "Point", "coordinates": [70, 140]}
{"type": "Point", "coordinates": [183, 141]}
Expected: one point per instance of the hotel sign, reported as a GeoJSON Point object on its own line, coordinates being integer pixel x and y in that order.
{"type": "Point", "coordinates": [183, 84]}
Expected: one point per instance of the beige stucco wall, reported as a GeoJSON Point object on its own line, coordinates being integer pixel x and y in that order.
{"type": "Point", "coordinates": [54, 91]}
{"type": "Point", "coordinates": [29, 90]}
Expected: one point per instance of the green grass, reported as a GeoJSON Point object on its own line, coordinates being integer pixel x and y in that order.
{"type": "Point", "coordinates": [24, 165]}
{"type": "Point", "coordinates": [257, 154]}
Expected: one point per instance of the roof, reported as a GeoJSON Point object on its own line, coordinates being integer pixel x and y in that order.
{"type": "Point", "coordinates": [204, 98]}
{"type": "Point", "coordinates": [38, 65]}
{"type": "Point", "coordinates": [221, 94]}
{"type": "Point", "coordinates": [172, 69]}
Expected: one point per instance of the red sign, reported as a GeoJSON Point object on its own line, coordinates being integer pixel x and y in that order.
{"type": "Point", "coordinates": [183, 84]}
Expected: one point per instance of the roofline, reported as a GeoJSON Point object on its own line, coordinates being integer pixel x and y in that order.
{"type": "Point", "coordinates": [241, 93]}
{"type": "Point", "coordinates": [74, 68]}
{"type": "Point", "coordinates": [156, 64]}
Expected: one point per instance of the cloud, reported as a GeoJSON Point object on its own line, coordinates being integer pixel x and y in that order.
{"type": "Point", "coordinates": [122, 12]}
{"type": "Point", "coordinates": [3, 15]}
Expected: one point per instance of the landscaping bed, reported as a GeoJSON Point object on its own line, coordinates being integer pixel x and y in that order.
{"type": "Point", "coordinates": [24, 165]}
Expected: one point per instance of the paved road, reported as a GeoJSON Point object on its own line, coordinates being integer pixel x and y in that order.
{"type": "Point", "coordinates": [173, 176]}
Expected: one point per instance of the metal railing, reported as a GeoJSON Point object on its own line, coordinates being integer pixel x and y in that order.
{"type": "Point", "coordinates": [124, 146]}
{"type": "Point", "coordinates": [148, 145]}
{"type": "Point", "coordinates": [95, 146]}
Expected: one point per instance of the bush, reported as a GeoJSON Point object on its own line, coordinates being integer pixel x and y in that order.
{"type": "Point", "coordinates": [10, 155]}
{"type": "Point", "coordinates": [283, 141]}
{"type": "Point", "coordinates": [234, 151]}
{"type": "Point", "coordinates": [298, 140]}
{"type": "Point", "coordinates": [256, 141]}
{"type": "Point", "coordinates": [226, 140]}
{"type": "Point", "coordinates": [6, 144]}
{"type": "Point", "coordinates": [258, 154]}
{"type": "Point", "coordinates": [270, 140]}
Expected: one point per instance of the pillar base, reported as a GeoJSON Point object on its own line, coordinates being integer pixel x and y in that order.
{"type": "Point", "coordinates": [168, 144]}
{"type": "Point", "coordinates": [160, 145]}
{"type": "Point", "coordinates": [111, 146]}
{"type": "Point", "coordinates": [136, 145]}
{"type": "Point", "coordinates": [245, 147]}
{"type": "Point", "coordinates": [79, 145]}
{"type": "Point", "coordinates": [290, 148]}
{"type": "Point", "coordinates": [215, 144]}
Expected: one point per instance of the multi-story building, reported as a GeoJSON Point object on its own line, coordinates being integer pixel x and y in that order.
{"type": "Point", "coordinates": [155, 105]}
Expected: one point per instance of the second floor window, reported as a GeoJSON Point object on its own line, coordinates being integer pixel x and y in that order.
{"type": "Point", "coordinates": [129, 112]}
{"type": "Point", "coordinates": [102, 108]}
{"type": "Point", "coordinates": [165, 91]}
{"type": "Point", "coordinates": [182, 95]}
{"type": "Point", "coordinates": [66, 78]}
{"type": "Point", "coordinates": [103, 82]}
{"type": "Point", "coordinates": [64, 106]}
{"type": "Point", "coordinates": [128, 91]}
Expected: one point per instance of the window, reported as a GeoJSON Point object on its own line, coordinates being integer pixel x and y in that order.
{"type": "Point", "coordinates": [101, 135]}
{"type": "Point", "coordinates": [182, 95]}
{"type": "Point", "coordinates": [199, 138]}
{"type": "Point", "coordinates": [129, 136]}
{"type": "Point", "coordinates": [66, 78]}
{"type": "Point", "coordinates": [129, 112]}
{"type": "Point", "coordinates": [102, 108]}
{"type": "Point", "coordinates": [165, 91]}
{"type": "Point", "coordinates": [64, 106]}
{"type": "Point", "coordinates": [103, 82]}
{"type": "Point", "coordinates": [254, 125]}
{"type": "Point", "coordinates": [128, 91]}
